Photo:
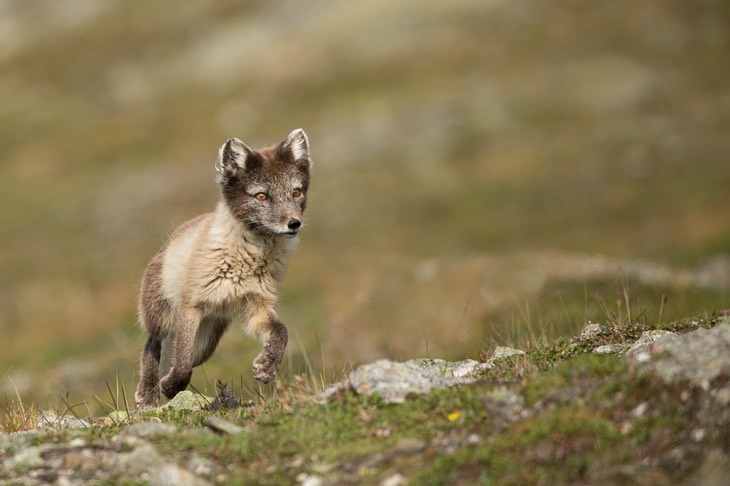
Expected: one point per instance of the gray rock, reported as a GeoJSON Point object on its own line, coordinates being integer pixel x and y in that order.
{"type": "Point", "coordinates": [409, 446]}
{"type": "Point", "coordinates": [650, 343]}
{"type": "Point", "coordinates": [699, 356]}
{"type": "Point", "coordinates": [309, 479]}
{"type": "Point", "coordinates": [458, 369]}
{"type": "Point", "coordinates": [149, 429]}
{"type": "Point", "coordinates": [16, 441]}
{"type": "Point", "coordinates": [608, 349]}
{"type": "Point", "coordinates": [189, 401]}
{"type": "Point", "coordinates": [221, 426]}
{"type": "Point", "coordinates": [199, 465]}
{"type": "Point", "coordinates": [504, 352]}
{"type": "Point", "coordinates": [396, 479]}
{"type": "Point", "coordinates": [648, 337]}
{"type": "Point", "coordinates": [142, 459]}
{"type": "Point", "coordinates": [30, 457]}
{"type": "Point", "coordinates": [394, 381]}
{"type": "Point", "coordinates": [173, 475]}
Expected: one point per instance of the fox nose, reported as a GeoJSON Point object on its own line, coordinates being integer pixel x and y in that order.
{"type": "Point", "coordinates": [294, 224]}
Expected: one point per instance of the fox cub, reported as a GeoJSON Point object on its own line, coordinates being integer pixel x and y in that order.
{"type": "Point", "coordinates": [225, 264]}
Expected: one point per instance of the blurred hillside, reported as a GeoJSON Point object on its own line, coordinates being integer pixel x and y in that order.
{"type": "Point", "coordinates": [471, 160]}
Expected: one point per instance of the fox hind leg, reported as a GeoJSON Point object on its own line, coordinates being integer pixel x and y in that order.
{"type": "Point", "coordinates": [156, 316]}
{"type": "Point", "coordinates": [148, 390]}
{"type": "Point", "coordinates": [187, 323]}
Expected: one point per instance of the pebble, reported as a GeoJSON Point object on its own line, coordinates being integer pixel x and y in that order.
{"type": "Point", "coordinates": [396, 479]}
{"type": "Point", "coordinates": [591, 331]}
{"type": "Point", "coordinates": [504, 352]}
{"type": "Point", "coordinates": [221, 426]}
{"type": "Point", "coordinates": [149, 429]}
{"type": "Point", "coordinates": [173, 475]}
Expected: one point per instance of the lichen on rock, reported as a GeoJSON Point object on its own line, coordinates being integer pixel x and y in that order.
{"type": "Point", "coordinates": [395, 381]}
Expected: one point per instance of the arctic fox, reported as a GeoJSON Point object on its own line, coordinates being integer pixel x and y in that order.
{"type": "Point", "coordinates": [225, 264]}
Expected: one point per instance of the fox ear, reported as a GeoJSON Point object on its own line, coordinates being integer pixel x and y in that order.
{"type": "Point", "coordinates": [298, 146]}
{"type": "Point", "coordinates": [232, 157]}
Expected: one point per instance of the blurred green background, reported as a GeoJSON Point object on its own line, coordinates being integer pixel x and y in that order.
{"type": "Point", "coordinates": [485, 170]}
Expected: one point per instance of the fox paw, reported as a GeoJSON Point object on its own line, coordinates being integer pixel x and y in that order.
{"type": "Point", "coordinates": [147, 398]}
{"type": "Point", "coordinates": [174, 383]}
{"type": "Point", "coordinates": [266, 365]}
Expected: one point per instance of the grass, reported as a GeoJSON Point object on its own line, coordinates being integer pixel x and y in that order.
{"type": "Point", "coordinates": [580, 421]}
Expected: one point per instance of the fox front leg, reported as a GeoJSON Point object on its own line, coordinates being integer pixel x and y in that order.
{"type": "Point", "coordinates": [275, 337]}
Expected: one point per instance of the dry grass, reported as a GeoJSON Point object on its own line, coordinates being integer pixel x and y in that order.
{"type": "Point", "coordinates": [15, 416]}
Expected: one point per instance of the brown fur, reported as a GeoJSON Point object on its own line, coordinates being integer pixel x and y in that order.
{"type": "Point", "coordinates": [224, 264]}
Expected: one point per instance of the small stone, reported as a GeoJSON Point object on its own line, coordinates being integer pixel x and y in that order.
{"type": "Point", "coordinates": [409, 446]}
{"type": "Point", "coordinates": [174, 475]}
{"type": "Point", "coordinates": [149, 429]}
{"type": "Point", "coordinates": [698, 435]}
{"type": "Point", "coordinates": [309, 479]}
{"type": "Point", "coordinates": [653, 335]}
{"type": "Point", "coordinates": [504, 352]}
{"type": "Point", "coordinates": [591, 331]}
{"type": "Point", "coordinates": [77, 442]}
{"type": "Point", "coordinates": [458, 369]}
{"type": "Point", "coordinates": [640, 410]}
{"type": "Point", "coordinates": [63, 481]}
{"type": "Point", "coordinates": [200, 465]}
{"type": "Point", "coordinates": [608, 349]}
{"type": "Point", "coordinates": [473, 440]}
{"type": "Point", "coordinates": [396, 479]}
{"type": "Point", "coordinates": [642, 356]}
{"type": "Point", "coordinates": [143, 458]}
{"type": "Point", "coordinates": [189, 401]}
{"type": "Point", "coordinates": [221, 426]}
{"type": "Point", "coordinates": [649, 343]}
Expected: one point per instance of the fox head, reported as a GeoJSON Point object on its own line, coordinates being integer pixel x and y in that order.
{"type": "Point", "coordinates": [266, 189]}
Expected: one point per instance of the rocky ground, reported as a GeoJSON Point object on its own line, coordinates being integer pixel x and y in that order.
{"type": "Point", "coordinates": [619, 404]}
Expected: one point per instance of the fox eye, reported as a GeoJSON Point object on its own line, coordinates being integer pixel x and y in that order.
{"type": "Point", "coordinates": [296, 193]}
{"type": "Point", "coordinates": [261, 196]}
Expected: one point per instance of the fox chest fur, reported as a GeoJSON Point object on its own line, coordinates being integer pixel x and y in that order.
{"type": "Point", "coordinates": [217, 267]}
{"type": "Point", "coordinates": [225, 264]}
